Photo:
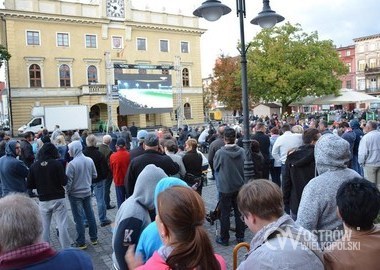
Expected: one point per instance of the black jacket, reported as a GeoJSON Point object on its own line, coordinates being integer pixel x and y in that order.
{"type": "Point", "coordinates": [27, 154]}
{"type": "Point", "coordinates": [299, 170]}
{"type": "Point", "coordinates": [47, 174]}
{"type": "Point", "coordinates": [99, 161]}
{"type": "Point", "coordinates": [140, 162]}
{"type": "Point", "coordinates": [264, 142]}
{"type": "Point", "coordinates": [193, 163]}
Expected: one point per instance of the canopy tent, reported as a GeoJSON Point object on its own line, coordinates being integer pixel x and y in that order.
{"type": "Point", "coordinates": [346, 96]}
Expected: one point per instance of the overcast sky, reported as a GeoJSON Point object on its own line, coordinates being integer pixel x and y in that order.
{"type": "Point", "coordinates": [338, 20]}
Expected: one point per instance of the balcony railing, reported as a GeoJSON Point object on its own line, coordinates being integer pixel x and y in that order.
{"type": "Point", "coordinates": [94, 89]}
{"type": "Point", "coordinates": [370, 71]}
{"type": "Point", "coordinates": [372, 90]}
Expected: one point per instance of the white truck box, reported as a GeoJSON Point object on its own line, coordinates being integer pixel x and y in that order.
{"type": "Point", "coordinates": [68, 117]}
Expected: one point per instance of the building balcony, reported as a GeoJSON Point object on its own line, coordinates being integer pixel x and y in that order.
{"type": "Point", "coordinates": [94, 89]}
{"type": "Point", "coordinates": [372, 90]}
{"type": "Point", "coordinates": [372, 71]}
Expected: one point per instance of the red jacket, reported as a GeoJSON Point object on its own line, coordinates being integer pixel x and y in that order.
{"type": "Point", "coordinates": [119, 163]}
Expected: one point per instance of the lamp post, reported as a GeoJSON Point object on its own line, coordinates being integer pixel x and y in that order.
{"type": "Point", "coordinates": [212, 10]}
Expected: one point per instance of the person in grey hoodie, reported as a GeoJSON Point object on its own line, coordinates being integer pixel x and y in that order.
{"type": "Point", "coordinates": [229, 168]}
{"type": "Point", "coordinates": [80, 172]}
{"type": "Point", "coordinates": [317, 210]}
{"type": "Point", "coordinates": [133, 215]}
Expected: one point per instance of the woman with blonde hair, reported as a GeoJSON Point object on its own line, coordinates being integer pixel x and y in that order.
{"type": "Point", "coordinates": [180, 218]}
{"type": "Point", "coordinates": [61, 145]}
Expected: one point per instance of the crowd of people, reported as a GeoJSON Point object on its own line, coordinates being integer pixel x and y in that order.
{"type": "Point", "coordinates": [311, 202]}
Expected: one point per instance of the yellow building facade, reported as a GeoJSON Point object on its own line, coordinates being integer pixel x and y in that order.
{"type": "Point", "coordinates": [59, 51]}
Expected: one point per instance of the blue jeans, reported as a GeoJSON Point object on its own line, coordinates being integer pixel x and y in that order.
{"type": "Point", "coordinates": [134, 143]}
{"type": "Point", "coordinates": [107, 191]}
{"type": "Point", "coordinates": [120, 195]}
{"type": "Point", "coordinates": [80, 206]}
{"type": "Point", "coordinates": [356, 166]}
{"type": "Point", "coordinates": [99, 195]}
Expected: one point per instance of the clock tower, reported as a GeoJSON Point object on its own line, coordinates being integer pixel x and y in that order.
{"type": "Point", "coordinates": [115, 9]}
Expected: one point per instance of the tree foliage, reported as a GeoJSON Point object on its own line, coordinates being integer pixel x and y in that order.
{"type": "Point", "coordinates": [4, 55]}
{"type": "Point", "coordinates": [286, 64]}
{"type": "Point", "coordinates": [225, 85]}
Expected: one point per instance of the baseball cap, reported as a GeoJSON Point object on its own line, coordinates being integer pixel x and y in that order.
{"type": "Point", "coordinates": [151, 139]}
{"type": "Point", "coordinates": [141, 135]}
{"type": "Point", "coordinates": [120, 142]}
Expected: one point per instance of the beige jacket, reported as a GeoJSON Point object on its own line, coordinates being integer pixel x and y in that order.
{"type": "Point", "coordinates": [356, 250]}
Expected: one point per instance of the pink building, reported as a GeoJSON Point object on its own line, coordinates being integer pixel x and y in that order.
{"type": "Point", "coordinates": [347, 56]}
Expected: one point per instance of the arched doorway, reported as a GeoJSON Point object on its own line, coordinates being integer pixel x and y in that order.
{"type": "Point", "coordinates": [98, 117]}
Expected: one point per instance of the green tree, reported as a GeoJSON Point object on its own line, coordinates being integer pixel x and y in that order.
{"type": "Point", "coordinates": [225, 86]}
{"type": "Point", "coordinates": [4, 55]}
{"type": "Point", "coordinates": [286, 64]}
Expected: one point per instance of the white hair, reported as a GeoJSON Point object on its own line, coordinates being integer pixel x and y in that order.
{"type": "Point", "coordinates": [91, 140]}
{"type": "Point", "coordinates": [107, 139]}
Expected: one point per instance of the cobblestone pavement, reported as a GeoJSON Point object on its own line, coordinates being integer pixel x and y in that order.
{"type": "Point", "coordinates": [101, 253]}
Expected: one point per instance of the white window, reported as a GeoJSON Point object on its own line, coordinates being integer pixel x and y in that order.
{"type": "Point", "coordinates": [63, 40]}
{"type": "Point", "coordinates": [184, 47]}
{"type": "Point", "coordinates": [361, 84]}
{"type": "Point", "coordinates": [64, 76]}
{"type": "Point", "coordinates": [373, 84]}
{"type": "Point", "coordinates": [348, 53]}
{"type": "Point", "coordinates": [91, 41]}
{"type": "Point", "coordinates": [141, 44]}
{"type": "Point", "coordinates": [372, 63]}
{"type": "Point", "coordinates": [117, 42]}
{"type": "Point", "coordinates": [32, 37]}
{"type": "Point", "coordinates": [164, 45]}
{"type": "Point", "coordinates": [361, 65]}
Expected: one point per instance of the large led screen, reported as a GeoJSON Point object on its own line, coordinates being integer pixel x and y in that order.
{"type": "Point", "coordinates": [144, 93]}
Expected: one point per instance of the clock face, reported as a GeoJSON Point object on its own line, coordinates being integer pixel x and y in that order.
{"type": "Point", "coordinates": [115, 8]}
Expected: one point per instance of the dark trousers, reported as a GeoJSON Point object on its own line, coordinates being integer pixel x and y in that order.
{"type": "Point", "coordinates": [228, 200]}
{"type": "Point", "coordinates": [266, 169]}
{"type": "Point", "coordinates": [120, 195]}
{"type": "Point", "coordinates": [275, 173]}
{"type": "Point", "coordinates": [107, 191]}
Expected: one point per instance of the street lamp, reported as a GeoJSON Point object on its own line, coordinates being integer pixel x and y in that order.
{"type": "Point", "coordinates": [212, 10]}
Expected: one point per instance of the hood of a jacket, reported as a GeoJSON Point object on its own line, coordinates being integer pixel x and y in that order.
{"type": "Point", "coordinates": [354, 124]}
{"type": "Point", "coordinates": [331, 153]}
{"type": "Point", "coordinates": [48, 151]}
{"type": "Point", "coordinates": [233, 151]}
{"type": "Point", "coordinates": [145, 185]}
{"type": "Point", "coordinates": [166, 183]}
{"type": "Point", "coordinates": [10, 148]}
{"type": "Point", "coordinates": [76, 148]}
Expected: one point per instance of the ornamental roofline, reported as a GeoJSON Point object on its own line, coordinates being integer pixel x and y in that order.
{"type": "Point", "coordinates": [27, 15]}
{"type": "Point", "coordinates": [366, 37]}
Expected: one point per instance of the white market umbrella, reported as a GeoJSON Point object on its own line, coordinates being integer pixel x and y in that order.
{"type": "Point", "coordinates": [346, 96]}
